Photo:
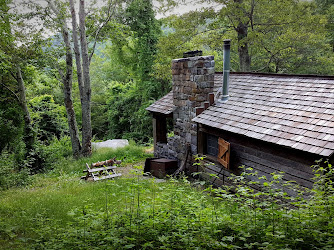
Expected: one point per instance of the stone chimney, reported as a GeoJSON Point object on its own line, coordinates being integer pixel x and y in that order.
{"type": "Point", "coordinates": [193, 81]}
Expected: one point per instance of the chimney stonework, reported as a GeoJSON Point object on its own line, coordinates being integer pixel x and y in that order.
{"type": "Point", "coordinates": [193, 81]}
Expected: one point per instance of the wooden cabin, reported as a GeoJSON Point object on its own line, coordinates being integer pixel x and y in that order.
{"type": "Point", "coordinates": [270, 122]}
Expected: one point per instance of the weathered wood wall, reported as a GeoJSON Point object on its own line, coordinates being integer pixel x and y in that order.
{"type": "Point", "coordinates": [263, 157]}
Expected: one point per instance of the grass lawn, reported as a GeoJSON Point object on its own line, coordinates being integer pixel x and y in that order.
{"type": "Point", "coordinates": [53, 195]}
{"type": "Point", "coordinates": [60, 211]}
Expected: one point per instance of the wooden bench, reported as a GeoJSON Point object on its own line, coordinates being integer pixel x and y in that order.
{"type": "Point", "coordinates": [101, 170]}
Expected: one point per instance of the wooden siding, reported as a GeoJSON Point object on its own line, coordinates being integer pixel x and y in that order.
{"type": "Point", "coordinates": [263, 157]}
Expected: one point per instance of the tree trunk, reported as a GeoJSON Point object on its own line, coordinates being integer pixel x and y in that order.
{"type": "Point", "coordinates": [242, 30]}
{"type": "Point", "coordinates": [76, 50]}
{"type": "Point", "coordinates": [67, 81]}
{"type": "Point", "coordinates": [86, 98]}
{"type": "Point", "coordinates": [29, 137]}
{"type": "Point", "coordinates": [244, 57]}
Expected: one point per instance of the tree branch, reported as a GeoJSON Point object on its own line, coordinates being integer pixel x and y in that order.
{"type": "Point", "coordinates": [13, 75]}
{"type": "Point", "coordinates": [251, 14]}
{"type": "Point", "coordinates": [11, 91]}
{"type": "Point", "coordinates": [61, 73]}
{"type": "Point", "coordinates": [109, 15]}
{"type": "Point", "coordinates": [231, 20]}
{"type": "Point", "coordinates": [53, 7]}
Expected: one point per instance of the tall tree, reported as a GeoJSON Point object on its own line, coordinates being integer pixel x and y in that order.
{"type": "Point", "coordinates": [141, 19]}
{"type": "Point", "coordinates": [259, 24]}
{"type": "Point", "coordinates": [86, 89]}
{"type": "Point", "coordinates": [67, 82]}
{"type": "Point", "coordinates": [83, 57]}
{"type": "Point", "coordinates": [326, 7]}
{"type": "Point", "coordinates": [240, 14]}
{"type": "Point", "coordinates": [13, 59]}
{"type": "Point", "coordinates": [82, 62]}
{"type": "Point", "coordinates": [272, 36]}
{"type": "Point", "coordinates": [141, 45]}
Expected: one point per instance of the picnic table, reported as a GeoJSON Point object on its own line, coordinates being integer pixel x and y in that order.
{"type": "Point", "coordinates": [101, 170]}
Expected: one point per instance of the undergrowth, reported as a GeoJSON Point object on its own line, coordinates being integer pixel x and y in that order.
{"type": "Point", "coordinates": [137, 213]}
{"type": "Point", "coordinates": [57, 160]}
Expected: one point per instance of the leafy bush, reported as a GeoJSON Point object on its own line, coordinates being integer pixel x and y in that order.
{"type": "Point", "coordinates": [48, 117]}
{"type": "Point", "coordinates": [11, 124]}
{"type": "Point", "coordinates": [42, 157]}
{"type": "Point", "coordinates": [128, 118]}
{"type": "Point", "coordinates": [54, 151]}
{"type": "Point", "coordinates": [10, 174]}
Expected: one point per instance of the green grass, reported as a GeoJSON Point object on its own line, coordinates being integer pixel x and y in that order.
{"type": "Point", "coordinates": [33, 216]}
{"type": "Point", "coordinates": [52, 195]}
{"type": "Point", "coordinates": [60, 211]}
{"type": "Point", "coordinates": [129, 154]}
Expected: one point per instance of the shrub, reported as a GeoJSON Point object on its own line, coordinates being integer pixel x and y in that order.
{"type": "Point", "coordinates": [48, 117]}
{"type": "Point", "coordinates": [128, 118]}
{"type": "Point", "coordinates": [10, 175]}
{"type": "Point", "coordinates": [55, 151]}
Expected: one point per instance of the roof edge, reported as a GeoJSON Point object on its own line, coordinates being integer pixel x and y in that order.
{"type": "Point", "coordinates": [282, 75]}
{"type": "Point", "coordinates": [257, 139]}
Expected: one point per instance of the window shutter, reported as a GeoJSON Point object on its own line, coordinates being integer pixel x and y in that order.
{"type": "Point", "coordinates": [224, 152]}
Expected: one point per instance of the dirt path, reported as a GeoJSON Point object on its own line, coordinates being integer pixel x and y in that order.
{"type": "Point", "coordinates": [129, 171]}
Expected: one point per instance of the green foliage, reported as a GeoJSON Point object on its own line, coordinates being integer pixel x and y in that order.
{"type": "Point", "coordinates": [102, 70]}
{"type": "Point", "coordinates": [55, 150]}
{"type": "Point", "coordinates": [181, 34]}
{"type": "Point", "coordinates": [11, 124]}
{"type": "Point", "coordinates": [326, 7]}
{"type": "Point", "coordinates": [42, 82]}
{"type": "Point", "coordinates": [136, 213]}
{"type": "Point", "coordinates": [284, 36]}
{"type": "Point", "coordinates": [297, 44]}
{"type": "Point", "coordinates": [10, 174]}
{"type": "Point", "coordinates": [127, 115]}
{"type": "Point", "coordinates": [124, 86]}
{"type": "Point", "coordinates": [140, 17]}
{"type": "Point", "coordinates": [48, 117]}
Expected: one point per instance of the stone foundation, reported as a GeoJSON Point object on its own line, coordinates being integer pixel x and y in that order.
{"type": "Point", "coordinates": [166, 150]}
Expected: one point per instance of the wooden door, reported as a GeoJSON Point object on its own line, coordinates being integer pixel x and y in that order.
{"type": "Point", "coordinates": [224, 152]}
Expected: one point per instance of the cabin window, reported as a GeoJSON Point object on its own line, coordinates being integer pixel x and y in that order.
{"type": "Point", "coordinates": [218, 149]}
{"type": "Point", "coordinates": [212, 145]}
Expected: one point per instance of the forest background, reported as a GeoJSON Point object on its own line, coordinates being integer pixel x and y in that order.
{"type": "Point", "coordinates": [65, 83]}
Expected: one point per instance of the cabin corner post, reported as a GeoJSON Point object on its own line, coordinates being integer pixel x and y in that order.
{"type": "Point", "coordinates": [154, 126]}
{"type": "Point", "coordinates": [193, 81]}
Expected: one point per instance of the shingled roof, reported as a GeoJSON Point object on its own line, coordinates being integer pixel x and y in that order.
{"type": "Point", "coordinates": [293, 111]}
{"type": "Point", "coordinates": [289, 110]}
{"type": "Point", "coordinates": [163, 105]}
